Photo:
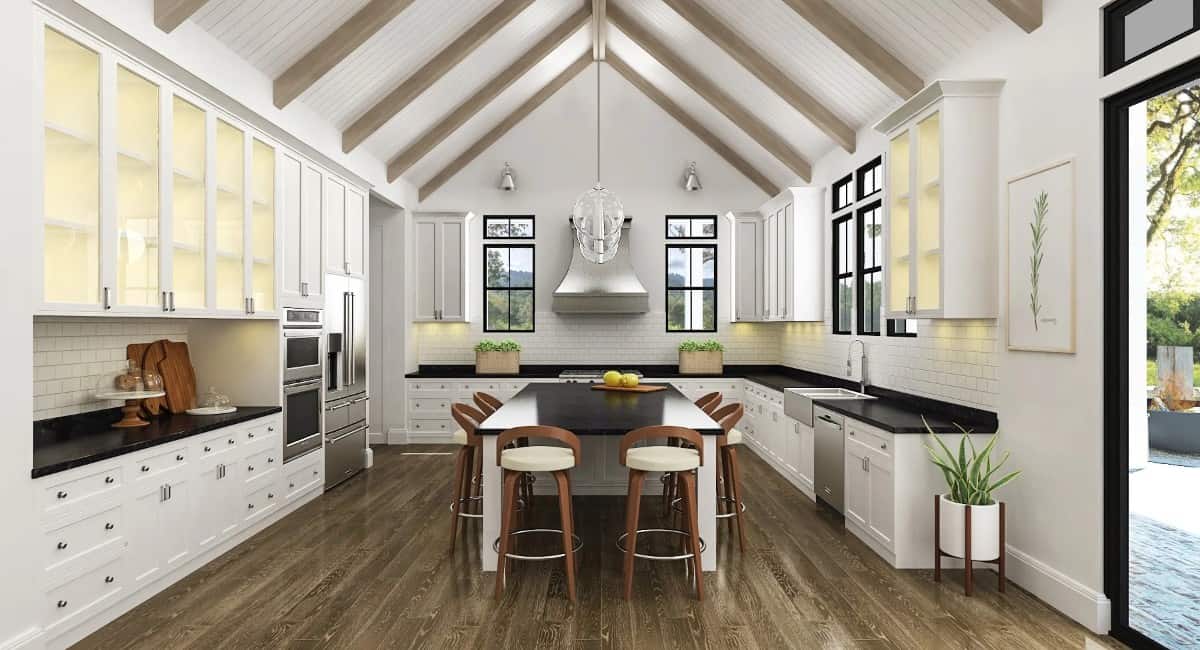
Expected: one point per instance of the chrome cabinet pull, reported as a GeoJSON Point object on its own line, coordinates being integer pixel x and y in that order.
{"type": "Point", "coordinates": [62, 494]}
{"type": "Point", "coordinates": [62, 604]}
{"type": "Point", "coordinates": [250, 434]}
{"type": "Point", "coordinates": [172, 300]}
{"type": "Point", "coordinates": [207, 448]}
{"type": "Point", "coordinates": [109, 579]}
{"type": "Point", "coordinates": [291, 486]}
{"type": "Point", "coordinates": [866, 464]}
{"type": "Point", "coordinates": [109, 479]}
{"type": "Point", "coordinates": [166, 305]}
{"type": "Point", "coordinates": [62, 546]}
{"type": "Point", "coordinates": [107, 300]}
{"type": "Point", "coordinates": [270, 429]}
{"type": "Point", "coordinates": [179, 457]}
{"type": "Point", "coordinates": [145, 468]}
{"type": "Point", "coordinates": [883, 445]}
{"type": "Point", "coordinates": [250, 506]}
{"type": "Point", "coordinates": [249, 468]}
{"type": "Point", "coordinates": [109, 526]}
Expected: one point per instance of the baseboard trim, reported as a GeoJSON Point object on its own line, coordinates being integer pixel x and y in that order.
{"type": "Point", "coordinates": [376, 438]}
{"type": "Point", "coordinates": [397, 436]}
{"type": "Point", "coordinates": [1088, 607]}
{"type": "Point", "coordinates": [430, 438]}
{"type": "Point", "coordinates": [23, 640]}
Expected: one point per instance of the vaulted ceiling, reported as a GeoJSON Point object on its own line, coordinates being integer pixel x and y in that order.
{"type": "Point", "coordinates": [771, 85]}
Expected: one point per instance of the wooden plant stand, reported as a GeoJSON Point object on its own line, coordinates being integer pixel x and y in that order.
{"type": "Point", "coordinates": [968, 580]}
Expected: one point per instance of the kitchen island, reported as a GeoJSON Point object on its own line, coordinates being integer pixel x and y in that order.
{"type": "Point", "coordinates": [599, 418]}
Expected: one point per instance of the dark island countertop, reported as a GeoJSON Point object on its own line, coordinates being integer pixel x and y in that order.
{"type": "Point", "coordinates": [587, 412]}
{"type": "Point", "coordinates": [72, 441]}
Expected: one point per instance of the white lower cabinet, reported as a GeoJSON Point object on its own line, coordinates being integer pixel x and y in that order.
{"type": "Point", "coordinates": [784, 443]}
{"type": "Point", "coordinates": [429, 402]}
{"type": "Point", "coordinates": [118, 531]}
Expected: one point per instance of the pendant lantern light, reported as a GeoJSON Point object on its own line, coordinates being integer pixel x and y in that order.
{"type": "Point", "coordinates": [598, 215]}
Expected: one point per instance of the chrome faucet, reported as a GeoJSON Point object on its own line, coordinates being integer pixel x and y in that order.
{"type": "Point", "coordinates": [862, 380]}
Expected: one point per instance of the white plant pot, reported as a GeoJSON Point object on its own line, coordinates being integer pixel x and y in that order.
{"type": "Point", "coordinates": [985, 530]}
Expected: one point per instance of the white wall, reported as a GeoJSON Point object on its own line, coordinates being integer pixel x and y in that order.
{"type": "Point", "coordinates": [553, 152]}
{"type": "Point", "coordinates": [19, 604]}
{"type": "Point", "coordinates": [386, 349]}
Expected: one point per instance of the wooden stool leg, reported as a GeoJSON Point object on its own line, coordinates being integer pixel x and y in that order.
{"type": "Point", "coordinates": [967, 552]}
{"type": "Point", "coordinates": [1003, 547]}
{"type": "Point", "coordinates": [460, 462]}
{"type": "Point", "coordinates": [937, 538]}
{"type": "Point", "coordinates": [735, 487]}
{"type": "Point", "coordinates": [633, 500]}
{"type": "Point", "coordinates": [689, 498]}
{"type": "Point", "coordinates": [507, 505]}
{"type": "Point", "coordinates": [564, 515]}
{"type": "Point", "coordinates": [477, 484]}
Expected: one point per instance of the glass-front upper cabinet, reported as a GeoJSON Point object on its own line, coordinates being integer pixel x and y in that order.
{"type": "Point", "coordinates": [231, 217]}
{"type": "Point", "coordinates": [262, 228]}
{"type": "Point", "coordinates": [137, 139]}
{"type": "Point", "coordinates": [929, 213]}
{"type": "Point", "coordinates": [899, 257]}
{"type": "Point", "coordinates": [189, 151]}
{"type": "Point", "coordinates": [71, 265]}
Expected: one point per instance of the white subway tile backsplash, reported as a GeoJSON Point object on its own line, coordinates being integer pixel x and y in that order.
{"type": "Point", "coordinates": [71, 355]}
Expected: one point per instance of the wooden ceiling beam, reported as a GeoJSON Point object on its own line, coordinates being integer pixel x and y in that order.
{"type": "Point", "coordinates": [491, 137]}
{"type": "Point", "coordinates": [482, 97]}
{"type": "Point", "coordinates": [712, 93]}
{"type": "Point", "coordinates": [1027, 14]}
{"type": "Point", "coordinates": [862, 48]}
{"type": "Point", "coordinates": [768, 73]}
{"type": "Point", "coordinates": [169, 14]}
{"type": "Point", "coordinates": [599, 29]}
{"type": "Point", "coordinates": [349, 36]}
{"type": "Point", "coordinates": [436, 68]}
{"type": "Point", "coordinates": [692, 124]}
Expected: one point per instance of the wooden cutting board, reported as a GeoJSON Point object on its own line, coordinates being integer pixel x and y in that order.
{"type": "Point", "coordinates": [155, 353]}
{"type": "Point", "coordinates": [629, 389]}
{"type": "Point", "coordinates": [179, 377]}
{"type": "Point", "coordinates": [136, 352]}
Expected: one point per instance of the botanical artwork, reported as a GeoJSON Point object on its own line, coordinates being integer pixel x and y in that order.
{"type": "Point", "coordinates": [1041, 259]}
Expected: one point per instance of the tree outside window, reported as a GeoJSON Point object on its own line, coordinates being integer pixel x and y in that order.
{"type": "Point", "coordinates": [691, 288]}
{"type": "Point", "coordinates": [508, 288]}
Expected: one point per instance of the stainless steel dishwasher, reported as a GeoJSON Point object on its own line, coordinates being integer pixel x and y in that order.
{"type": "Point", "coordinates": [830, 443]}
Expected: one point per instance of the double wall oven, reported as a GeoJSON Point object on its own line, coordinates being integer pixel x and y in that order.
{"type": "Point", "coordinates": [304, 361]}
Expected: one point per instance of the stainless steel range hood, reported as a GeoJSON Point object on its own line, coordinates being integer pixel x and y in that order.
{"type": "Point", "coordinates": [609, 288]}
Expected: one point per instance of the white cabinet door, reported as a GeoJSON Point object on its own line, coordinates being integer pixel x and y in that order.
{"type": "Point", "coordinates": [208, 506]}
{"type": "Point", "coordinates": [291, 198]}
{"type": "Point", "coordinates": [748, 271]}
{"type": "Point", "coordinates": [175, 522]}
{"type": "Point", "coordinates": [426, 271]}
{"type": "Point", "coordinates": [791, 445]}
{"type": "Point", "coordinates": [857, 505]}
{"type": "Point", "coordinates": [144, 557]}
{"type": "Point", "coordinates": [770, 251]}
{"type": "Point", "coordinates": [312, 233]}
{"type": "Point", "coordinates": [356, 233]}
{"type": "Point", "coordinates": [335, 226]}
{"type": "Point", "coordinates": [785, 262]}
{"type": "Point", "coordinates": [882, 522]}
{"type": "Point", "coordinates": [806, 464]}
{"type": "Point", "coordinates": [452, 280]}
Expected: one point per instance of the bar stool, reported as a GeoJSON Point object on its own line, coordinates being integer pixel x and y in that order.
{"type": "Point", "coordinates": [728, 416]}
{"type": "Point", "coordinates": [489, 404]}
{"type": "Point", "coordinates": [515, 462]}
{"type": "Point", "coordinates": [707, 403]}
{"type": "Point", "coordinates": [662, 458]}
{"type": "Point", "coordinates": [468, 419]}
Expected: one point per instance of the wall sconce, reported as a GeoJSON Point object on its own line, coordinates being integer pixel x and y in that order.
{"type": "Point", "coordinates": [691, 182]}
{"type": "Point", "coordinates": [507, 182]}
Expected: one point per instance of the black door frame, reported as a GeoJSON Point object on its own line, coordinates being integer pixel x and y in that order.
{"type": "Point", "coordinates": [1116, 341]}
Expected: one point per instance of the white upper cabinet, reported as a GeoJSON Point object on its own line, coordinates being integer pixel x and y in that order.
{"type": "Point", "coordinates": [778, 265]}
{"type": "Point", "coordinates": [440, 267]}
{"type": "Point", "coordinates": [942, 162]}
{"type": "Point", "coordinates": [302, 209]}
{"type": "Point", "coordinates": [345, 224]}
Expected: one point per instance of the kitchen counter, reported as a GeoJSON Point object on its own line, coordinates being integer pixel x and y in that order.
{"type": "Point", "coordinates": [903, 414]}
{"type": "Point", "coordinates": [72, 441]}
{"type": "Point", "coordinates": [770, 376]}
{"type": "Point", "coordinates": [587, 412]}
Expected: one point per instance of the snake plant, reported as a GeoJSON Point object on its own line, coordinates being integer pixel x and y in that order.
{"type": "Point", "coordinates": [969, 473]}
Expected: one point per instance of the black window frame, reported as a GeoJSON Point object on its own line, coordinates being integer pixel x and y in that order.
{"type": "Point", "coordinates": [690, 218]}
{"type": "Point", "coordinates": [489, 218]}
{"type": "Point", "coordinates": [861, 272]}
{"type": "Point", "coordinates": [837, 275]}
{"type": "Point", "coordinates": [847, 181]}
{"type": "Point", "coordinates": [667, 288]}
{"type": "Point", "coordinates": [1114, 33]}
{"type": "Point", "coordinates": [861, 173]}
{"type": "Point", "coordinates": [532, 289]}
{"type": "Point", "coordinates": [892, 331]}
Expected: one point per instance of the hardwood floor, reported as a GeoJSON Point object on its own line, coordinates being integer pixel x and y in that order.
{"type": "Point", "coordinates": [366, 566]}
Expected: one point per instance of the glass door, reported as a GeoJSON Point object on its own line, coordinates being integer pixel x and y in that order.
{"type": "Point", "coordinates": [71, 172]}
{"type": "Point", "coordinates": [928, 189]}
{"type": "Point", "coordinates": [137, 191]}
{"type": "Point", "coordinates": [262, 228]}
{"type": "Point", "coordinates": [231, 218]}
{"type": "Point", "coordinates": [189, 147]}
{"type": "Point", "coordinates": [899, 266]}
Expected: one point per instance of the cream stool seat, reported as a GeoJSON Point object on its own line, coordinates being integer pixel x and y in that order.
{"type": "Point", "coordinates": [540, 458]}
{"type": "Point", "coordinates": [734, 437]}
{"type": "Point", "coordinates": [459, 437]}
{"type": "Point", "coordinates": [662, 459]}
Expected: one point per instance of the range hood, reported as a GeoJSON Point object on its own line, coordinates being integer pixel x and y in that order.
{"type": "Point", "coordinates": [609, 288]}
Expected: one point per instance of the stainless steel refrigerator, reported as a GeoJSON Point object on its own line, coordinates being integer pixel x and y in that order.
{"type": "Point", "coordinates": [345, 377]}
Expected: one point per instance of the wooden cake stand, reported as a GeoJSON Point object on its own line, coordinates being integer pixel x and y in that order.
{"type": "Point", "coordinates": [133, 404]}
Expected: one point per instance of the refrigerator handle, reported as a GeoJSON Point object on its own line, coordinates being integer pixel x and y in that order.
{"type": "Point", "coordinates": [347, 335]}
{"type": "Point", "coordinates": [350, 339]}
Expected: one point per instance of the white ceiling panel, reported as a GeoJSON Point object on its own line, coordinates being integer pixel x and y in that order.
{"type": "Point", "coordinates": [472, 73]}
{"type": "Point", "coordinates": [391, 56]}
{"type": "Point", "coordinates": [924, 34]}
{"type": "Point", "coordinates": [273, 34]}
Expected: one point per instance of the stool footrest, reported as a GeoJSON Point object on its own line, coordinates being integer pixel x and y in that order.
{"type": "Point", "coordinates": [558, 556]}
{"type": "Point", "coordinates": [647, 556]}
{"type": "Point", "coordinates": [678, 507]}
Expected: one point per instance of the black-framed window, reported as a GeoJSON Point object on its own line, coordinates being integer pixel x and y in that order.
{"type": "Point", "coordinates": [843, 273]}
{"type": "Point", "coordinates": [1135, 28]}
{"type": "Point", "coordinates": [516, 226]}
{"type": "Point", "coordinates": [686, 226]}
{"type": "Point", "coordinates": [691, 287]}
{"type": "Point", "coordinates": [902, 327]}
{"type": "Point", "coordinates": [843, 193]}
{"type": "Point", "coordinates": [870, 178]}
{"type": "Point", "coordinates": [870, 268]}
{"type": "Point", "coordinates": [508, 291]}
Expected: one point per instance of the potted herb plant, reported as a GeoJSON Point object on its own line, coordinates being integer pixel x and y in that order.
{"type": "Point", "coordinates": [971, 479]}
{"type": "Point", "coordinates": [701, 357]}
{"type": "Point", "coordinates": [497, 357]}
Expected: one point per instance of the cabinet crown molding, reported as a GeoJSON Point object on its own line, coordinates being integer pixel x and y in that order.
{"type": "Point", "coordinates": [934, 92]}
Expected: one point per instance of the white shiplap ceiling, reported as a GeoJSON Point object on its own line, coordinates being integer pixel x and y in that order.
{"type": "Point", "coordinates": [923, 35]}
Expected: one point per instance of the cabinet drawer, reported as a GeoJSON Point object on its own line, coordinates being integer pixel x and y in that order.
{"type": "Point", "coordinates": [160, 461]}
{"type": "Point", "coordinates": [259, 431]}
{"type": "Point", "coordinates": [215, 443]}
{"type": "Point", "coordinates": [64, 500]}
{"type": "Point", "coordinates": [433, 426]}
{"type": "Point", "coordinates": [304, 476]}
{"type": "Point", "coordinates": [74, 542]}
{"type": "Point", "coordinates": [89, 592]}
{"type": "Point", "coordinates": [879, 443]}
{"type": "Point", "coordinates": [435, 406]}
{"type": "Point", "coordinates": [431, 388]}
{"type": "Point", "coordinates": [260, 502]}
{"type": "Point", "coordinates": [261, 464]}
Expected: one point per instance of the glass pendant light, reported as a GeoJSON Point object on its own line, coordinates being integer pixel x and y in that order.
{"type": "Point", "coordinates": [598, 215]}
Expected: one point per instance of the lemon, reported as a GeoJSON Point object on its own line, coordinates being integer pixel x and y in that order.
{"type": "Point", "coordinates": [629, 380]}
{"type": "Point", "coordinates": [612, 378]}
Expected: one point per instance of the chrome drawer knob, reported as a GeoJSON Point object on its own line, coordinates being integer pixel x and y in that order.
{"type": "Point", "coordinates": [62, 546]}
{"type": "Point", "coordinates": [62, 604]}
{"type": "Point", "coordinates": [231, 441]}
{"type": "Point", "coordinates": [250, 506]}
{"type": "Point", "coordinates": [291, 486]}
{"type": "Point", "coordinates": [109, 579]}
{"type": "Point", "coordinates": [179, 457]}
{"type": "Point", "coordinates": [270, 429]}
{"type": "Point", "coordinates": [109, 479]}
{"type": "Point", "coordinates": [270, 495]}
{"type": "Point", "coordinates": [145, 468]}
{"type": "Point", "coordinates": [207, 448]}
{"type": "Point", "coordinates": [249, 468]}
{"type": "Point", "coordinates": [250, 435]}
{"type": "Point", "coordinates": [109, 526]}
{"type": "Point", "coordinates": [62, 494]}
{"type": "Point", "coordinates": [270, 460]}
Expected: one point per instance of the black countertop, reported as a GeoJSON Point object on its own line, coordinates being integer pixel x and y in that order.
{"type": "Point", "coordinates": [72, 441]}
{"type": "Point", "coordinates": [891, 410]}
{"type": "Point", "coordinates": [587, 412]}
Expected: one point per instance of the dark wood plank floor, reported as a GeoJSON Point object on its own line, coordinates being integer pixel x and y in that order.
{"type": "Point", "coordinates": [366, 566]}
